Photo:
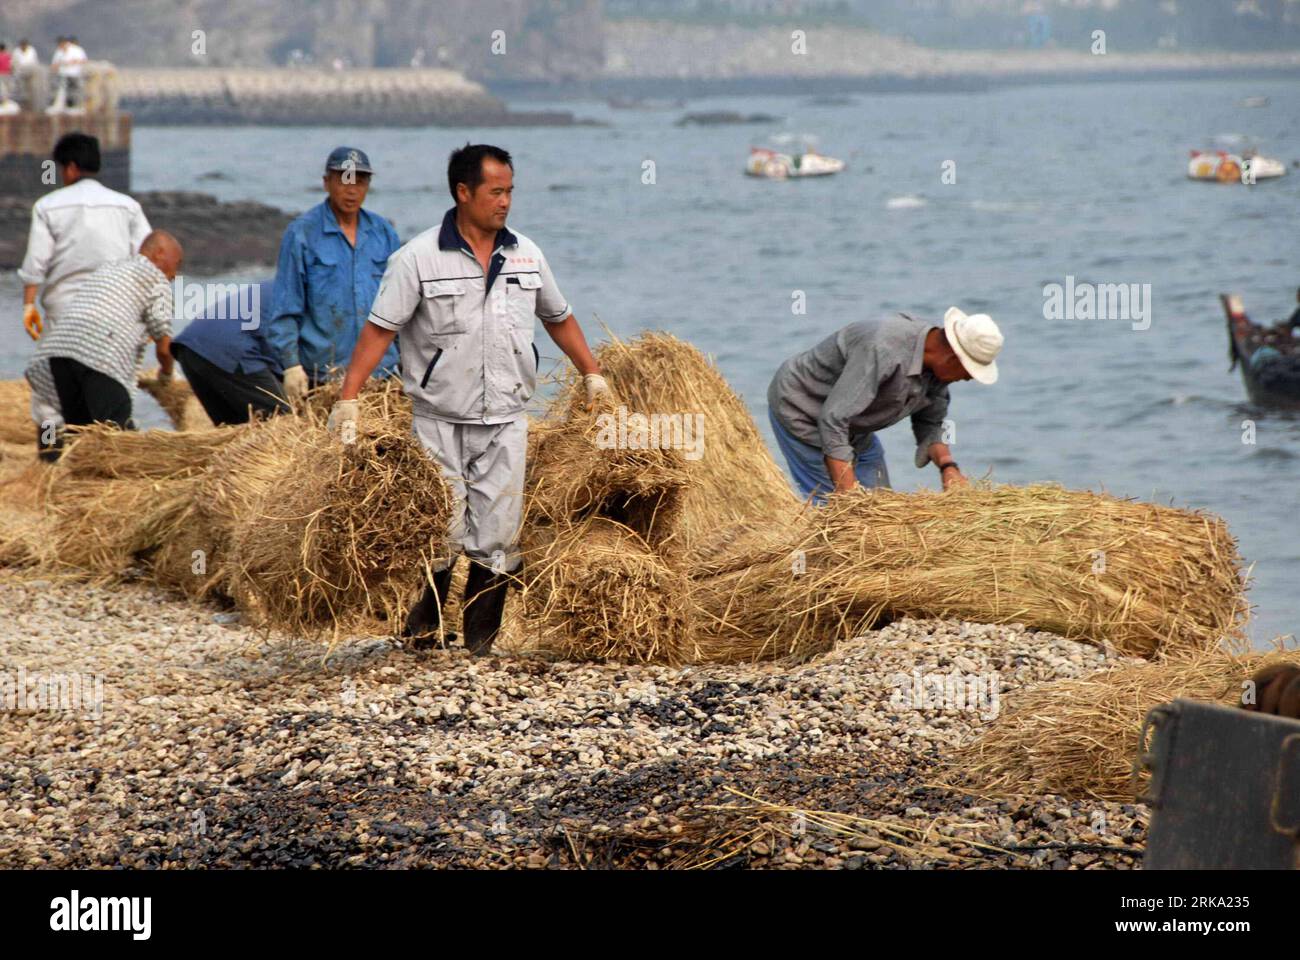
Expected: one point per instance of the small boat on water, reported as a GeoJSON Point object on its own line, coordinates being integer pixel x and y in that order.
{"type": "Point", "coordinates": [1269, 357]}
{"type": "Point", "coordinates": [764, 162]}
{"type": "Point", "coordinates": [1224, 167]}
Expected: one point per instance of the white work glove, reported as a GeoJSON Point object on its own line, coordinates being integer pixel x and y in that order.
{"type": "Point", "coordinates": [295, 383]}
{"type": "Point", "coordinates": [596, 386]}
{"type": "Point", "coordinates": [343, 421]}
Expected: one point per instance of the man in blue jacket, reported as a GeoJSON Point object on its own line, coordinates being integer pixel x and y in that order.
{"type": "Point", "coordinates": [331, 261]}
{"type": "Point", "coordinates": [227, 360]}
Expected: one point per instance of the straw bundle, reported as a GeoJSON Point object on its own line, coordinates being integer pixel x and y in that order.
{"type": "Point", "coordinates": [750, 599]}
{"type": "Point", "coordinates": [323, 536]}
{"type": "Point", "coordinates": [178, 401]}
{"type": "Point", "coordinates": [102, 526]}
{"type": "Point", "coordinates": [234, 480]}
{"type": "Point", "coordinates": [116, 495]}
{"type": "Point", "coordinates": [104, 451]}
{"type": "Point", "coordinates": [24, 529]}
{"type": "Point", "coordinates": [16, 425]}
{"type": "Point", "coordinates": [735, 480]}
{"type": "Point", "coordinates": [1142, 577]}
{"type": "Point", "coordinates": [381, 397]}
{"type": "Point", "coordinates": [299, 530]}
{"type": "Point", "coordinates": [24, 541]}
{"type": "Point", "coordinates": [598, 591]}
{"type": "Point", "coordinates": [578, 468]}
{"type": "Point", "coordinates": [1078, 737]}
{"type": "Point", "coordinates": [189, 558]}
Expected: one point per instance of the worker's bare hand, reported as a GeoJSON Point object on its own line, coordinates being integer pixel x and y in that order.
{"type": "Point", "coordinates": [32, 321]}
{"type": "Point", "coordinates": [954, 478]}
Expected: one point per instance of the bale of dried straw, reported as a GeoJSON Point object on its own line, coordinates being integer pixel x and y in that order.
{"type": "Point", "coordinates": [322, 536]}
{"type": "Point", "coordinates": [301, 531]}
{"type": "Point", "coordinates": [749, 598]}
{"type": "Point", "coordinates": [381, 397]}
{"type": "Point", "coordinates": [735, 480]}
{"type": "Point", "coordinates": [102, 526]}
{"type": "Point", "coordinates": [25, 537]}
{"type": "Point", "coordinates": [16, 425]}
{"type": "Point", "coordinates": [178, 401]}
{"type": "Point", "coordinates": [574, 472]}
{"type": "Point", "coordinates": [1141, 577]}
{"type": "Point", "coordinates": [596, 590]}
{"type": "Point", "coordinates": [104, 451]}
{"type": "Point", "coordinates": [1078, 737]}
{"type": "Point", "coordinates": [231, 485]}
{"type": "Point", "coordinates": [115, 495]}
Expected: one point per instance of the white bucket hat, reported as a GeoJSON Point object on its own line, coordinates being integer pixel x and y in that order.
{"type": "Point", "coordinates": [976, 340]}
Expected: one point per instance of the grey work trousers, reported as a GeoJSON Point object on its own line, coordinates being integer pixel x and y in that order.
{"type": "Point", "coordinates": [484, 464]}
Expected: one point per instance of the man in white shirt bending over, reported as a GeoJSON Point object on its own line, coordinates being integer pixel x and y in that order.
{"type": "Point", "coordinates": [75, 230]}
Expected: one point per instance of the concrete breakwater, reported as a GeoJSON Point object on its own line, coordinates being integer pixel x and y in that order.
{"type": "Point", "coordinates": [302, 97]}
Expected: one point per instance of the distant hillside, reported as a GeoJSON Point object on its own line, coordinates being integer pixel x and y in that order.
{"type": "Point", "coordinates": [1132, 25]}
{"type": "Point", "coordinates": [696, 51]}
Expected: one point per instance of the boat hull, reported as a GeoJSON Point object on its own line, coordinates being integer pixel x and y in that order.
{"type": "Point", "coordinates": [1231, 168]}
{"type": "Point", "coordinates": [1271, 376]}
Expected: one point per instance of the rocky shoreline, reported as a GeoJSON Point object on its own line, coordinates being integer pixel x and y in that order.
{"type": "Point", "coordinates": [218, 237]}
{"type": "Point", "coordinates": [217, 746]}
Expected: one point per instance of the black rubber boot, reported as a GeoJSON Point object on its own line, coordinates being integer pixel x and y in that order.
{"type": "Point", "coordinates": [425, 618]}
{"type": "Point", "coordinates": [48, 452]}
{"type": "Point", "coordinates": [485, 599]}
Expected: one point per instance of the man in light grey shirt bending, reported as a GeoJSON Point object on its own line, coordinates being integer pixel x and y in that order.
{"type": "Point", "coordinates": [826, 404]}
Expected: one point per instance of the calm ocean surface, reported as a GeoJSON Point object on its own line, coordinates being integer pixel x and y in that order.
{"type": "Point", "coordinates": [1085, 181]}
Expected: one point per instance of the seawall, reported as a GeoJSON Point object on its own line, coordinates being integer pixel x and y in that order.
{"type": "Point", "coordinates": [302, 97]}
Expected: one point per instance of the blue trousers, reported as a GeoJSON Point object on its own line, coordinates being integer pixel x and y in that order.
{"type": "Point", "coordinates": [809, 469]}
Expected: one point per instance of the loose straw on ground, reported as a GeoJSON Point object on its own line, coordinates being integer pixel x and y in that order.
{"type": "Point", "coordinates": [1078, 737]}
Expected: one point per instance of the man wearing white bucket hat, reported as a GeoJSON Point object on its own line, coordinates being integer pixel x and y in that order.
{"type": "Point", "coordinates": [827, 404]}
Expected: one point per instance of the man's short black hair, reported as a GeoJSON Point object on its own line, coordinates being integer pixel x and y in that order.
{"type": "Point", "coordinates": [466, 165]}
{"type": "Point", "coordinates": [79, 148]}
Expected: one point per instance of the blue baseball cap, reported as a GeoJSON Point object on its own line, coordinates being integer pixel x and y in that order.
{"type": "Point", "coordinates": [348, 158]}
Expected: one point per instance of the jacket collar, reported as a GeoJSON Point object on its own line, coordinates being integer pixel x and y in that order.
{"type": "Point", "coordinates": [330, 223]}
{"type": "Point", "coordinates": [917, 365]}
{"type": "Point", "coordinates": [449, 237]}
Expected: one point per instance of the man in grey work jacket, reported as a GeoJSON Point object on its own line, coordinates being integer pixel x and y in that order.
{"type": "Point", "coordinates": [465, 296]}
{"type": "Point", "coordinates": [827, 403]}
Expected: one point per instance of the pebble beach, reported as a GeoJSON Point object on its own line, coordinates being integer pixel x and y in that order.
{"type": "Point", "coordinates": [217, 745]}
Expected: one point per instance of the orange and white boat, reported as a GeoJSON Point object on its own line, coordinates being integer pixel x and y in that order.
{"type": "Point", "coordinates": [1224, 167]}
{"type": "Point", "coordinates": [774, 165]}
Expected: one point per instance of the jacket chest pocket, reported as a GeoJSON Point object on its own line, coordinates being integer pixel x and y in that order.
{"type": "Point", "coordinates": [445, 305]}
{"type": "Point", "coordinates": [523, 298]}
{"type": "Point", "coordinates": [322, 268]}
